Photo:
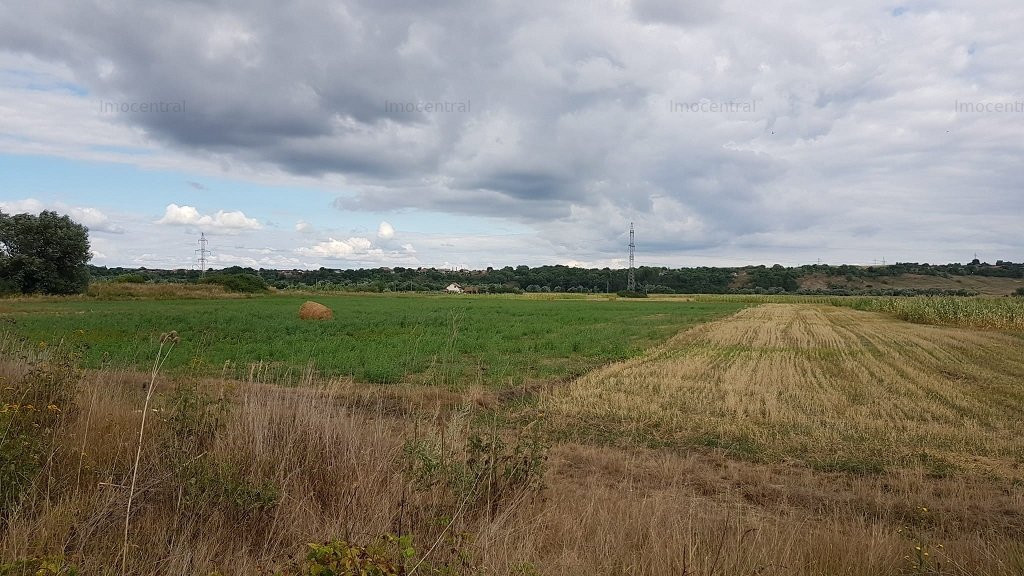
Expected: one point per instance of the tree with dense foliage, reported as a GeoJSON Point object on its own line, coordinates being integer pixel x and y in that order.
{"type": "Point", "coordinates": [775, 277]}
{"type": "Point", "coordinates": [45, 254]}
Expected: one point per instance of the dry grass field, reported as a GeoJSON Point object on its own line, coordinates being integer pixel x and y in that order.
{"type": "Point", "coordinates": [830, 386]}
{"type": "Point", "coordinates": [784, 440]}
{"type": "Point", "coordinates": [844, 417]}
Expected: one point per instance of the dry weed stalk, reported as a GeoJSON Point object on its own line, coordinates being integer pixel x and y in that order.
{"type": "Point", "coordinates": [168, 339]}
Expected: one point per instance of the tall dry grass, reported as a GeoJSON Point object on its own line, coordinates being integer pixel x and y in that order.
{"type": "Point", "coordinates": [128, 291]}
{"type": "Point", "coordinates": [163, 291]}
{"type": "Point", "coordinates": [236, 477]}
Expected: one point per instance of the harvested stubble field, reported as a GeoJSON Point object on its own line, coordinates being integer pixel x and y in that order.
{"type": "Point", "coordinates": [791, 439]}
{"type": "Point", "coordinates": [836, 388]}
{"type": "Point", "coordinates": [1006, 313]}
{"type": "Point", "coordinates": [835, 409]}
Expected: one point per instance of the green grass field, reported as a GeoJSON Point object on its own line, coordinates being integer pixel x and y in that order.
{"type": "Point", "coordinates": [456, 341]}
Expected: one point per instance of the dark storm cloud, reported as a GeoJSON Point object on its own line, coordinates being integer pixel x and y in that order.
{"type": "Point", "coordinates": [524, 185]}
{"type": "Point", "coordinates": [571, 126]}
{"type": "Point", "coordinates": [307, 89]}
{"type": "Point", "coordinates": [468, 202]}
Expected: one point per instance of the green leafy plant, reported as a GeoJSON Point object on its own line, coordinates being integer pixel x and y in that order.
{"type": "Point", "coordinates": [222, 485]}
{"type": "Point", "coordinates": [503, 470]}
{"type": "Point", "coordinates": [342, 558]}
{"type": "Point", "coordinates": [192, 417]}
{"type": "Point", "coordinates": [490, 470]}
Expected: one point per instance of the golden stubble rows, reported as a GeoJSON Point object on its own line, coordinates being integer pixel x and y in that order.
{"type": "Point", "coordinates": [818, 383]}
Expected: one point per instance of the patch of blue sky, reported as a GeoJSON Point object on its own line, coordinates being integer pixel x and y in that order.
{"type": "Point", "coordinates": [146, 192]}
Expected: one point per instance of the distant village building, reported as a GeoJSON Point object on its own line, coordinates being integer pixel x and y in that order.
{"type": "Point", "coordinates": [456, 288]}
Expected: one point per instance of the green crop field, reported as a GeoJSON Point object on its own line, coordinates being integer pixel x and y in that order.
{"type": "Point", "coordinates": [452, 340]}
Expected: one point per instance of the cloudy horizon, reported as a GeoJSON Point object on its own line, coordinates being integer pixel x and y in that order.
{"type": "Point", "coordinates": [365, 134]}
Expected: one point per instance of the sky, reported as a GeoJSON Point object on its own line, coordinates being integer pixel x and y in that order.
{"type": "Point", "coordinates": [467, 134]}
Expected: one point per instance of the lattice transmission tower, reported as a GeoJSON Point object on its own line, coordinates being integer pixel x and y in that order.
{"type": "Point", "coordinates": [631, 281]}
{"type": "Point", "coordinates": [202, 253]}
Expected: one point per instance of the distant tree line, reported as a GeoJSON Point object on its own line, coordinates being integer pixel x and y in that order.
{"type": "Point", "coordinates": [49, 254]}
{"type": "Point", "coordinates": [1001, 269]}
{"type": "Point", "coordinates": [649, 279]}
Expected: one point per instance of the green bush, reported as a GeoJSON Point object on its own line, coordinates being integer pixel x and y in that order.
{"type": "Point", "coordinates": [244, 283]}
{"type": "Point", "coordinates": [1019, 292]}
{"type": "Point", "coordinates": [489, 473]}
{"type": "Point", "coordinates": [631, 294]}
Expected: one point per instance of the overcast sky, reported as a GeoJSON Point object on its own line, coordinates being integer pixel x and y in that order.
{"type": "Point", "coordinates": [474, 133]}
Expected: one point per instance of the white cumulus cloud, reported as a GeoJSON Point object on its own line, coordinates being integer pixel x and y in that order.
{"type": "Point", "coordinates": [333, 248]}
{"type": "Point", "coordinates": [26, 206]}
{"type": "Point", "coordinates": [92, 218]}
{"type": "Point", "coordinates": [175, 215]}
{"type": "Point", "coordinates": [385, 231]}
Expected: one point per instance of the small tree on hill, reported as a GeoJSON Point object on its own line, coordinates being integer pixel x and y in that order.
{"type": "Point", "coordinates": [45, 254]}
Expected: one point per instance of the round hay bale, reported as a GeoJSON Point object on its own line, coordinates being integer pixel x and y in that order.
{"type": "Point", "coordinates": [315, 311]}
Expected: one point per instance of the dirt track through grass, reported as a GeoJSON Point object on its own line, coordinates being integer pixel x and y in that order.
{"type": "Point", "coordinates": [839, 389]}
